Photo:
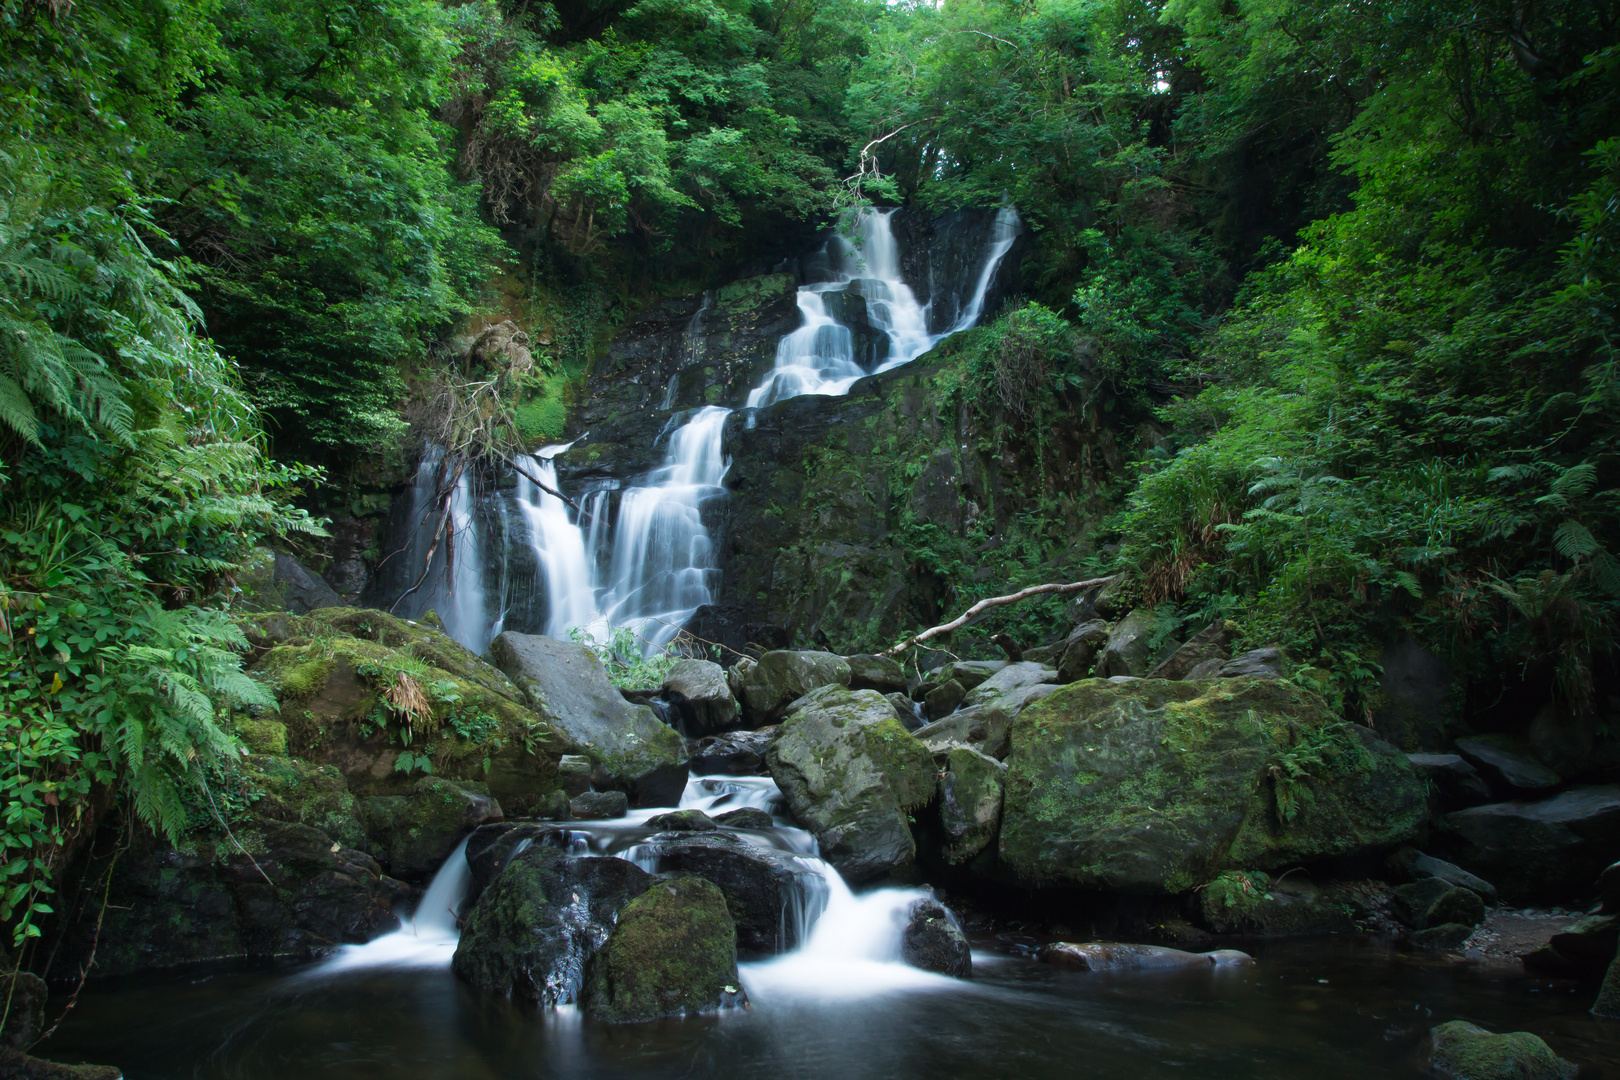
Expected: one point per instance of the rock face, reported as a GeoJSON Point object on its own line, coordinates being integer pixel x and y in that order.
{"type": "Point", "coordinates": [1151, 785]}
{"type": "Point", "coordinates": [673, 953]}
{"type": "Point", "coordinates": [1508, 764]}
{"type": "Point", "coordinates": [333, 671]}
{"type": "Point", "coordinates": [763, 886]}
{"type": "Point", "coordinates": [702, 701]}
{"type": "Point", "coordinates": [1536, 851]}
{"type": "Point", "coordinates": [1417, 689]}
{"type": "Point", "coordinates": [1112, 956]}
{"type": "Point", "coordinates": [414, 833]}
{"type": "Point", "coordinates": [535, 926]}
{"type": "Point", "coordinates": [969, 802]}
{"type": "Point", "coordinates": [850, 772]}
{"type": "Point", "coordinates": [566, 684]}
{"type": "Point", "coordinates": [1459, 1050]}
{"type": "Point", "coordinates": [934, 942]}
{"type": "Point", "coordinates": [780, 678]}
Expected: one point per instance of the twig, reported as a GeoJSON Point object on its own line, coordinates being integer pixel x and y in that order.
{"type": "Point", "coordinates": [90, 961]}
{"type": "Point", "coordinates": [539, 483]}
{"type": "Point", "coordinates": [995, 601]}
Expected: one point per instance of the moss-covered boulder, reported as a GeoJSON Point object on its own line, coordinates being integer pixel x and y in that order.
{"type": "Point", "coordinates": [536, 925]}
{"type": "Point", "coordinates": [970, 789]}
{"type": "Point", "coordinates": [1433, 902]}
{"type": "Point", "coordinates": [385, 699]}
{"type": "Point", "coordinates": [1129, 649]}
{"type": "Point", "coordinates": [768, 686]}
{"type": "Point", "coordinates": [415, 832]}
{"type": "Point", "coordinates": [1459, 1050]}
{"type": "Point", "coordinates": [673, 953]}
{"type": "Point", "coordinates": [629, 748]}
{"type": "Point", "coordinates": [702, 700]}
{"type": "Point", "coordinates": [1250, 902]}
{"type": "Point", "coordinates": [302, 792]}
{"type": "Point", "coordinates": [1155, 785]}
{"type": "Point", "coordinates": [850, 773]}
{"type": "Point", "coordinates": [984, 728]}
{"type": "Point", "coordinates": [868, 671]}
{"type": "Point", "coordinates": [764, 886]}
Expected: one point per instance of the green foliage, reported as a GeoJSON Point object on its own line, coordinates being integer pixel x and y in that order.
{"type": "Point", "coordinates": [632, 662]}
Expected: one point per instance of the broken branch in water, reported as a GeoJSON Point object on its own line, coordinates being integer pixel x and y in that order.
{"type": "Point", "coordinates": [996, 601]}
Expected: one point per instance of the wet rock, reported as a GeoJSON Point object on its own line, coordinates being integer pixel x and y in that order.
{"type": "Point", "coordinates": [983, 728]}
{"type": "Point", "coordinates": [1507, 764]}
{"type": "Point", "coordinates": [491, 847]}
{"type": "Point", "coordinates": [683, 821]}
{"type": "Point", "coordinates": [970, 802]}
{"type": "Point", "coordinates": [1459, 1050]}
{"type": "Point", "coordinates": [1009, 682]}
{"type": "Point", "coordinates": [567, 685]}
{"type": "Point", "coordinates": [1207, 646]}
{"type": "Point", "coordinates": [933, 941]}
{"type": "Point", "coordinates": [1415, 706]}
{"type": "Point", "coordinates": [414, 833]}
{"type": "Point", "coordinates": [673, 953]}
{"type": "Point", "coordinates": [850, 772]}
{"type": "Point", "coordinates": [1454, 782]}
{"type": "Point", "coordinates": [303, 793]}
{"type": "Point", "coordinates": [599, 805]}
{"type": "Point", "coordinates": [1411, 864]}
{"type": "Point", "coordinates": [702, 700]}
{"type": "Point", "coordinates": [880, 673]}
{"type": "Point", "coordinates": [736, 753]}
{"type": "Point", "coordinates": [1582, 951]}
{"type": "Point", "coordinates": [904, 711]}
{"type": "Point", "coordinates": [764, 886]}
{"type": "Point", "coordinates": [574, 772]}
{"type": "Point", "coordinates": [1536, 852]}
{"type": "Point", "coordinates": [1446, 937]}
{"type": "Point", "coordinates": [1249, 902]}
{"type": "Point", "coordinates": [970, 673]}
{"type": "Point", "coordinates": [1267, 663]}
{"type": "Point", "coordinates": [746, 817]}
{"type": "Point", "coordinates": [1157, 785]}
{"type": "Point", "coordinates": [1078, 653]}
{"type": "Point", "coordinates": [536, 925]}
{"type": "Point", "coordinates": [943, 699]}
{"type": "Point", "coordinates": [1128, 649]}
{"type": "Point", "coordinates": [1114, 956]}
{"type": "Point", "coordinates": [780, 678]}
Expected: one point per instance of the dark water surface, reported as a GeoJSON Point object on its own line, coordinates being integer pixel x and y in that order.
{"type": "Point", "coordinates": [1317, 1009]}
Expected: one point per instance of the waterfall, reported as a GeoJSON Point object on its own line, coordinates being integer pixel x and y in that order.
{"type": "Point", "coordinates": [560, 548]}
{"type": "Point", "coordinates": [458, 596]}
{"type": "Point", "coordinates": [427, 939]}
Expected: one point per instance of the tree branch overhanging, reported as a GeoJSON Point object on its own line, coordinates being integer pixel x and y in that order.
{"type": "Point", "coordinates": [994, 602]}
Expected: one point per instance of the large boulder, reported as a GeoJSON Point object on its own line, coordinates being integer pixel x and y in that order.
{"type": "Point", "coordinates": [1452, 782]}
{"type": "Point", "coordinates": [1250, 902]}
{"type": "Point", "coordinates": [933, 941]}
{"type": "Point", "coordinates": [850, 773]}
{"type": "Point", "coordinates": [1536, 852]}
{"type": "Point", "coordinates": [1078, 652]}
{"type": "Point", "coordinates": [969, 802]}
{"type": "Point", "coordinates": [1413, 865]}
{"type": "Point", "coordinates": [673, 953]}
{"type": "Point", "coordinates": [763, 885]}
{"type": "Point", "coordinates": [768, 686]}
{"type": "Point", "coordinates": [736, 753]}
{"type": "Point", "coordinates": [881, 673]}
{"type": "Point", "coordinates": [1582, 951]}
{"type": "Point", "coordinates": [1608, 999]}
{"type": "Point", "coordinates": [275, 581]}
{"type": "Point", "coordinates": [536, 925]}
{"type": "Point", "coordinates": [568, 686]}
{"type": "Point", "coordinates": [1129, 648]}
{"type": "Point", "coordinates": [702, 700]}
{"type": "Point", "coordinates": [1508, 764]}
{"type": "Point", "coordinates": [1266, 663]}
{"type": "Point", "coordinates": [983, 727]}
{"type": "Point", "coordinates": [1153, 785]}
{"type": "Point", "coordinates": [491, 847]}
{"type": "Point", "coordinates": [1207, 646]}
{"type": "Point", "coordinates": [1010, 682]}
{"type": "Point", "coordinates": [1431, 902]}
{"type": "Point", "coordinates": [1459, 1050]}
{"type": "Point", "coordinates": [414, 833]}
{"type": "Point", "coordinates": [383, 698]}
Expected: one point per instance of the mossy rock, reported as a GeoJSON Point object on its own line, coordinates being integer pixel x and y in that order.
{"type": "Point", "coordinates": [781, 677]}
{"type": "Point", "coordinates": [330, 671]}
{"type": "Point", "coordinates": [1157, 786]}
{"type": "Point", "coordinates": [673, 953]}
{"type": "Point", "coordinates": [1459, 1050]}
{"type": "Point", "coordinates": [1249, 902]}
{"type": "Point", "coordinates": [414, 833]}
{"type": "Point", "coordinates": [262, 735]}
{"type": "Point", "coordinates": [970, 802]}
{"type": "Point", "coordinates": [851, 772]}
{"type": "Point", "coordinates": [305, 793]}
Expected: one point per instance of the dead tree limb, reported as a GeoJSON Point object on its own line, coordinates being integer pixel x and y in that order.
{"type": "Point", "coordinates": [992, 602]}
{"type": "Point", "coordinates": [539, 483]}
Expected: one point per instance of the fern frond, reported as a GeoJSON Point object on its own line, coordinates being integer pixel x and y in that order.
{"type": "Point", "coordinates": [1574, 541]}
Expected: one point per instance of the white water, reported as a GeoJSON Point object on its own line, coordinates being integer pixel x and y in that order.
{"type": "Point", "coordinates": [559, 547]}
{"type": "Point", "coordinates": [428, 938]}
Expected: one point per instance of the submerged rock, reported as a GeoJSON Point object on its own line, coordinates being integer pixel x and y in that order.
{"type": "Point", "coordinates": [970, 802]}
{"type": "Point", "coordinates": [703, 701]}
{"type": "Point", "coordinates": [746, 817]}
{"type": "Point", "coordinates": [933, 941]}
{"type": "Point", "coordinates": [1459, 1050]}
{"type": "Point", "coordinates": [568, 686]}
{"type": "Point", "coordinates": [1157, 785]}
{"type": "Point", "coordinates": [767, 687]}
{"type": "Point", "coordinates": [673, 953]}
{"type": "Point", "coordinates": [1537, 852]}
{"type": "Point", "coordinates": [850, 772]}
{"type": "Point", "coordinates": [1115, 956]}
{"type": "Point", "coordinates": [533, 929]}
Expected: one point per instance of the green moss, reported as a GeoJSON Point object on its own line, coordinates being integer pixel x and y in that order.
{"type": "Point", "coordinates": [1466, 1051]}
{"type": "Point", "coordinates": [263, 736]}
{"type": "Point", "coordinates": [673, 952]}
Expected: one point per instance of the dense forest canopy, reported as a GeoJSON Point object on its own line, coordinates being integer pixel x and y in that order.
{"type": "Point", "coordinates": [1351, 267]}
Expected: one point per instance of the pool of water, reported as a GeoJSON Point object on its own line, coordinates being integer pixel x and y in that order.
{"type": "Point", "coordinates": [1318, 1009]}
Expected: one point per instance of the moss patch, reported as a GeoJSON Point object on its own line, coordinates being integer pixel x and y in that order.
{"type": "Point", "coordinates": [674, 952]}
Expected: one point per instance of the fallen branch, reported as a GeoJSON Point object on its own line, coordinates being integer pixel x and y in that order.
{"type": "Point", "coordinates": [539, 483]}
{"type": "Point", "coordinates": [996, 601]}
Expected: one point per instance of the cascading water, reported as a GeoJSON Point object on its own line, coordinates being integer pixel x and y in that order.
{"type": "Point", "coordinates": [427, 939]}
{"type": "Point", "coordinates": [458, 596]}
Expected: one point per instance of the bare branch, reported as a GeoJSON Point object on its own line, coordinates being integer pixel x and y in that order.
{"type": "Point", "coordinates": [539, 483]}
{"type": "Point", "coordinates": [996, 601]}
